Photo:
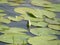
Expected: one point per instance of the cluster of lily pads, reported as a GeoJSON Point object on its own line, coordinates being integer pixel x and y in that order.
{"type": "Point", "coordinates": [46, 25]}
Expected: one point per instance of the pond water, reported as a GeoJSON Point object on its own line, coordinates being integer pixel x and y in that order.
{"type": "Point", "coordinates": [10, 12]}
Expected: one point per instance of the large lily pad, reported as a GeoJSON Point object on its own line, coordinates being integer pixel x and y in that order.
{"type": "Point", "coordinates": [15, 38]}
{"type": "Point", "coordinates": [43, 31]}
{"type": "Point", "coordinates": [43, 40]}
{"type": "Point", "coordinates": [56, 27]}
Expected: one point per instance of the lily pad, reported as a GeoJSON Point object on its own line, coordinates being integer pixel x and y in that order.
{"type": "Point", "coordinates": [49, 14]}
{"type": "Point", "coordinates": [17, 18]}
{"type": "Point", "coordinates": [43, 31]}
{"type": "Point", "coordinates": [4, 20]}
{"type": "Point", "coordinates": [50, 21]}
{"type": "Point", "coordinates": [2, 14]}
{"type": "Point", "coordinates": [15, 30]}
{"type": "Point", "coordinates": [3, 1]}
{"type": "Point", "coordinates": [43, 3]}
{"type": "Point", "coordinates": [55, 8]}
{"type": "Point", "coordinates": [3, 27]}
{"type": "Point", "coordinates": [42, 24]}
{"type": "Point", "coordinates": [56, 27]}
{"type": "Point", "coordinates": [15, 38]}
{"type": "Point", "coordinates": [2, 10]}
{"type": "Point", "coordinates": [43, 40]}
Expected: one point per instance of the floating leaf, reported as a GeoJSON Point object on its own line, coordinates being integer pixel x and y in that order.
{"type": "Point", "coordinates": [41, 3]}
{"type": "Point", "coordinates": [56, 27]}
{"type": "Point", "coordinates": [50, 21]}
{"type": "Point", "coordinates": [13, 4]}
{"type": "Point", "coordinates": [4, 20]}
{"type": "Point", "coordinates": [42, 24]}
{"type": "Point", "coordinates": [55, 8]}
{"type": "Point", "coordinates": [49, 14]}
{"type": "Point", "coordinates": [1, 10]}
{"type": "Point", "coordinates": [14, 38]}
{"type": "Point", "coordinates": [3, 28]}
{"type": "Point", "coordinates": [17, 18]}
{"type": "Point", "coordinates": [25, 10]}
{"type": "Point", "coordinates": [43, 31]}
{"type": "Point", "coordinates": [2, 14]}
{"type": "Point", "coordinates": [15, 30]}
{"type": "Point", "coordinates": [3, 1]}
{"type": "Point", "coordinates": [43, 40]}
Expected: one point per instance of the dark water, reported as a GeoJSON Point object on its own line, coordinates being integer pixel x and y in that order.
{"type": "Point", "coordinates": [22, 24]}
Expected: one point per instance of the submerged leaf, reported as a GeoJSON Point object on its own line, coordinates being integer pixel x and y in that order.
{"type": "Point", "coordinates": [56, 27]}
{"type": "Point", "coordinates": [44, 40]}
{"type": "Point", "coordinates": [43, 31]}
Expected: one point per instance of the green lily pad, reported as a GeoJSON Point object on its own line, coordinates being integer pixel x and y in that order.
{"type": "Point", "coordinates": [4, 20]}
{"type": "Point", "coordinates": [43, 40]}
{"type": "Point", "coordinates": [15, 38]}
{"type": "Point", "coordinates": [55, 8]}
{"type": "Point", "coordinates": [17, 18]}
{"type": "Point", "coordinates": [43, 3]}
{"type": "Point", "coordinates": [25, 10]}
{"type": "Point", "coordinates": [50, 21]}
{"type": "Point", "coordinates": [2, 10]}
{"type": "Point", "coordinates": [3, 1]}
{"type": "Point", "coordinates": [13, 4]}
{"type": "Point", "coordinates": [15, 30]}
{"type": "Point", "coordinates": [3, 28]}
{"type": "Point", "coordinates": [43, 31]}
{"type": "Point", "coordinates": [2, 14]}
{"type": "Point", "coordinates": [56, 27]}
{"type": "Point", "coordinates": [49, 14]}
{"type": "Point", "coordinates": [42, 24]}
